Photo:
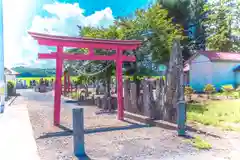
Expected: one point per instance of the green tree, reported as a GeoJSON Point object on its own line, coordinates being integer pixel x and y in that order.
{"type": "Point", "coordinates": [188, 13]}
{"type": "Point", "coordinates": [97, 70]}
{"type": "Point", "coordinates": [221, 21]}
{"type": "Point", "coordinates": [177, 9]}
{"type": "Point", "coordinates": [156, 30]}
{"type": "Point", "coordinates": [152, 26]}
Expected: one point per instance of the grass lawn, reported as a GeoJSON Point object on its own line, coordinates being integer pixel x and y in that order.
{"type": "Point", "coordinates": [224, 114]}
{"type": "Point", "coordinates": [199, 143]}
{"type": "Point", "coordinates": [234, 94]}
{"type": "Point", "coordinates": [28, 79]}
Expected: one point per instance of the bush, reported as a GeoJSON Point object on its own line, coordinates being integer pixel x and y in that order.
{"type": "Point", "coordinates": [227, 89]}
{"type": "Point", "coordinates": [199, 143]}
{"type": "Point", "coordinates": [188, 91]}
{"type": "Point", "coordinates": [10, 85]}
{"type": "Point", "coordinates": [209, 89]}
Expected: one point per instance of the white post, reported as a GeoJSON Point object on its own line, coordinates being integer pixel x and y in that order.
{"type": "Point", "coordinates": [2, 82]}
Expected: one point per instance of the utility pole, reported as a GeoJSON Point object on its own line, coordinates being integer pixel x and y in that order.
{"type": "Point", "coordinates": [2, 77]}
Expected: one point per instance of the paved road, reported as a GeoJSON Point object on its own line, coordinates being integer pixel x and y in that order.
{"type": "Point", "coordinates": [16, 135]}
{"type": "Point", "coordinates": [139, 144]}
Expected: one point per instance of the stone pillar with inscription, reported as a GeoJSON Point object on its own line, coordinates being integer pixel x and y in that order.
{"type": "Point", "coordinates": [126, 95]}
{"type": "Point", "coordinates": [147, 102]}
{"type": "Point", "coordinates": [133, 97]}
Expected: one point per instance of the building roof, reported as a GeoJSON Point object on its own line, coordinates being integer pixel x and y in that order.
{"type": "Point", "coordinates": [214, 56]}
{"type": "Point", "coordinates": [8, 71]}
{"type": "Point", "coordinates": [221, 56]}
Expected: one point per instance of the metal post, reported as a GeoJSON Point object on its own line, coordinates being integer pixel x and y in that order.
{"type": "Point", "coordinates": [181, 104]}
{"type": "Point", "coordinates": [181, 118]}
{"type": "Point", "coordinates": [2, 81]}
{"type": "Point", "coordinates": [78, 132]}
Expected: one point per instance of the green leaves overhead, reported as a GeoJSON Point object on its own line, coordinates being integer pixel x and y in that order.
{"type": "Point", "coordinates": [222, 25]}
{"type": "Point", "coordinates": [152, 26]}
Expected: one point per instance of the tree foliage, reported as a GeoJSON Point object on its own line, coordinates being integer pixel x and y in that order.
{"type": "Point", "coordinates": [177, 9]}
{"type": "Point", "coordinates": [188, 91]}
{"type": "Point", "coordinates": [188, 13]}
{"type": "Point", "coordinates": [221, 22]}
{"type": "Point", "coordinates": [155, 29]}
{"type": "Point", "coordinates": [152, 26]}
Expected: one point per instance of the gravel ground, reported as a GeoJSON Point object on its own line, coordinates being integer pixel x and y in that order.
{"type": "Point", "coordinates": [125, 141]}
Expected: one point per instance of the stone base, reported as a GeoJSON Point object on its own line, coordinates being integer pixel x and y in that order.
{"type": "Point", "coordinates": [42, 88]}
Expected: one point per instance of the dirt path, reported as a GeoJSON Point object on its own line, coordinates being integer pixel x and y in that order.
{"type": "Point", "coordinates": [110, 139]}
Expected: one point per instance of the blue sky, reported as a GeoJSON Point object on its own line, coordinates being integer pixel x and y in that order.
{"type": "Point", "coordinates": [59, 17]}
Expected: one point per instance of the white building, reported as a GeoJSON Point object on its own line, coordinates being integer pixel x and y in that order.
{"type": "Point", "coordinates": [216, 68]}
{"type": "Point", "coordinates": [10, 75]}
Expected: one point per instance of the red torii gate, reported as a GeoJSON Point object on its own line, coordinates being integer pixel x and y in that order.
{"type": "Point", "coordinates": [91, 44]}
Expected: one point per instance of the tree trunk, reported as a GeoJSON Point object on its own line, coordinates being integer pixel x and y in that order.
{"type": "Point", "coordinates": [107, 94]}
{"type": "Point", "coordinates": [138, 84]}
{"type": "Point", "coordinates": [108, 81]}
{"type": "Point", "coordinates": [86, 91]}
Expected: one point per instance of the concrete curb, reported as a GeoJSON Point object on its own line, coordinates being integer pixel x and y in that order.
{"type": "Point", "coordinates": [161, 123]}
{"type": "Point", "coordinates": [10, 101]}
{"type": "Point", "coordinates": [167, 125]}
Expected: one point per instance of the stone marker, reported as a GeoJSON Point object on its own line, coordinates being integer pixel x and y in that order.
{"type": "Point", "coordinates": [78, 132]}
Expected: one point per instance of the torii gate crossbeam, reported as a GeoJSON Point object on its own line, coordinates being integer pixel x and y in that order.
{"type": "Point", "coordinates": [91, 44]}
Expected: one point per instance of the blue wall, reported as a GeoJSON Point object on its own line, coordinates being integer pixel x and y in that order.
{"type": "Point", "coordinates": [203, 72]}
{"type": "Point", "coordinates": [200, 73]}
{"type": "Point", "coordinates": [223, 73]}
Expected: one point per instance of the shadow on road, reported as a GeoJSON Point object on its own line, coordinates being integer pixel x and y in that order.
{"type": "Point", "coordinates": [71, 101]}
{"type": "Point", "coordinates": [11, 99]}
{"type": "Point", "coordinates": [191, 129]}
{"type": "Point", "coordinates": [68, 132]}
{"type": "Point", "coordinates": [84, 158]}
{"type": "Point", "coordinates": [85, 103]}
{"type": "Point", "coordinates": [173, 126]}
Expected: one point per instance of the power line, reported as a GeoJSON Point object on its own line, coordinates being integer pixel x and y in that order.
{"type": "Point", "coordinates": [94, 73]}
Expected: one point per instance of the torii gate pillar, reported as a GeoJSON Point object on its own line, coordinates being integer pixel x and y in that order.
{"type": "Point", "coordinates": [58, 86]}
{"type": "Point", "coordinates": [119, 85]}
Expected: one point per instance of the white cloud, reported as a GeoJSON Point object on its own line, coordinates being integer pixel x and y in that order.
{"type": "Point", "coordinates": [63, 10]}
{"type": "Point", "coordinates": [63, 20]}
{"type": "Point", "coordinates": [103, 18]}
{"type": "Point", "coordinates": [16, 15]}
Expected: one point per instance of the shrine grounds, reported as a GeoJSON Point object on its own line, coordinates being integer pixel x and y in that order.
{"type": "Point", "coordinates": [106, 138]}
{"type": "Point", "coordinates": [227, 118]}
{"type": "Point", "coordinates": [28, 79]}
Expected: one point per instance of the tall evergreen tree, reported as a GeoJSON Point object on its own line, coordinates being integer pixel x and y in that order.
{"type": "Point", "coordinates": [221, 23]}
{"type": "Point", "coordinates": [152, 26]}
{"type": "Point", "coordinates": [188, 13]}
